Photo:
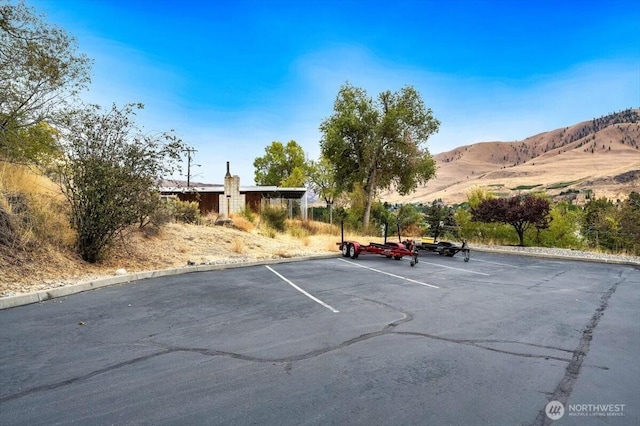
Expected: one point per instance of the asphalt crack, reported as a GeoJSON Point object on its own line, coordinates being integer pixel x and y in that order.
{"type": "Point", "coordinates": [389, 329]}
{"type": "Point", "coordinates": [564, 388]}
{"type": "Point", "coordinates": [478, 344]}
{"type": "Point", "coordinates": [549, 279]}
{"type": "Point", "coordinates": [82, 377]}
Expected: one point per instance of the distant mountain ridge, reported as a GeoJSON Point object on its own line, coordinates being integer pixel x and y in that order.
{"type": "Point", "coordinates": [601, 156]}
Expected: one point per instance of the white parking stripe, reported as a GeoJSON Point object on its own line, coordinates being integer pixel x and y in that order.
{"type": "Point", "coordinates": [315, 299]}
{"type": "Point", "coordinates": [457, 269]}
{"type": "Point", "coordinates": [391, 275]}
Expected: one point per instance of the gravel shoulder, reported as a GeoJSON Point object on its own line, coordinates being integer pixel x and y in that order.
{"type": "Point", "coordinates": [560, 253]}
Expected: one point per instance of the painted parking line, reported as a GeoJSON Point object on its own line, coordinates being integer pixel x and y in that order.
{"type": "Point", "coordinates": [310, 296]}
{"type": "Point", "coordinates": [390, 274]}
{"type": "Point", "coordinates": [456, 269]}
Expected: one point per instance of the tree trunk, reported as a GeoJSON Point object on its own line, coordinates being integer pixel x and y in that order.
{"type": "Point", "coordinates": [370, 189]}
{"type": "Point", "coordinates": [520, 230]}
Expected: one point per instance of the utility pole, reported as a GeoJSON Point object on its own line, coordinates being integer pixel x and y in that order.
{"type": "Point", "coordinates": [189, 151]}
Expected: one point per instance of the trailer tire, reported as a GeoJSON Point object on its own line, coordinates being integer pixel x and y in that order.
{"type": "Point", "coordinates": [345, 250]}
{"type": "Point", "coordinates": [352, 252]}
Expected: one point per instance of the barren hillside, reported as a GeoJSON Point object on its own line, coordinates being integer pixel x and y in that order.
{"type": "Point", "coordinates": [601, 155]}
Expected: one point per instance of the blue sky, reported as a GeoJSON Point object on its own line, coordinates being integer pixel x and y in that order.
{"type": "Point", "coordinates": [232, 76]}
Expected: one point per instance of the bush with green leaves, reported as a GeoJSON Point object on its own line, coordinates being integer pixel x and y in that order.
{"type": "Point", "coordinates": [483, 232]}
{"type": "Point", "coordinates": [109, 173]}
{"type": "Point", "coordinates": [185, 211]}
{"type": "Point", "coordinates": [613, 227]}
{"type": "Point", "coordinates": [563, 230]}
{"type": "Point", "coordinates": [409, 219]}
{"type": "Point", "coordinates": [275, 218]}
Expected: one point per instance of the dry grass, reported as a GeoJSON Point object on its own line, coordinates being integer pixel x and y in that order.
{"type": "Point", "coordinates": [237, 246]}
{"type": "Point", "coordinates": [39, 205]}
{"type": "Point", "coordinates": [174, 246]}
{"type": "Point", "coordinates": [242, 223]}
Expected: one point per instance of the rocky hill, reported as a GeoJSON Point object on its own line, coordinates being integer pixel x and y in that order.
{"type": "Point", "coordinates": [601, 156]}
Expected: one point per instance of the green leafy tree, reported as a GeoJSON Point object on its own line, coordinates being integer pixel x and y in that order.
{"type": "Point", "coordinates": [477, 195]}
{"type": "Point", "coordinates": [438, 215]}
{"type": "Point", "coordinates": [35, 144]}
{"type": "Point", "coordinates": [564, 228]}
{"type": "Point", "coordinates": [379, 144]}
{"type": "Point", "coordinates": [613, 227]}
{"type": "Point", "coordinates": [282, 165]}
{"type": "Point", "coordinates": [409, 219]}
{"type": "Point", "coordinates": [599, 223]}
{"type": "Point", "coordinates": [322, 182]}
{"type": "Point", "coordinates": [521, 212]}
{"type": "Point", "coordinates": [40, 75]}
{"type": "Point", "coordinates": [110, 172]}
{"type": "Point", "coordinates": [630, 224]}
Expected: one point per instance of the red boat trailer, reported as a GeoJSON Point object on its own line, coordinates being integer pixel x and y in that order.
{"type": "Point", "coordinates": [397, 251]}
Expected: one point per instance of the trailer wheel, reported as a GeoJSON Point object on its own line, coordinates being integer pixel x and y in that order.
{"type": "Point", "coordinates": [412, 263]}
{"type": "Point", "coordinates": [467, 254]}
{"type": "Point", "coordinates": [352, 251]}
{"type": "Point", "coordinates": [345, 250]}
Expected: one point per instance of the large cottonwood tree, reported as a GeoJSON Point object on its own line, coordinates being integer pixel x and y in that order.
{"type": "Point", "coordinates": [379, 144]}
{"type": "Point", "coordinates": [41, 73]}
{"type": "Point", "coordinates": [281, 165]}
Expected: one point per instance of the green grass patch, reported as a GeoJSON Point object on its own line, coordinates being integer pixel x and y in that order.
{"type": "Point", "coordinates": [561, 185]}
{"type": "Point", "coordinates": [525, 187]}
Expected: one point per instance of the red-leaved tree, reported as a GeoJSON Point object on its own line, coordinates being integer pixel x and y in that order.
{"type": "Point", "coordinates": [521, 212]}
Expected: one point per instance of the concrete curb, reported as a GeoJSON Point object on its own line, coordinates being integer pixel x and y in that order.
{"type": "Point", "coordinates": [630, 262]}
{"type": "Point", "coordinates": [42, 295]}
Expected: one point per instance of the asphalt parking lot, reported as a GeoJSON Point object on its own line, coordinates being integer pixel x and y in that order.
{"type": "Point", "coordinates": [334, 341]}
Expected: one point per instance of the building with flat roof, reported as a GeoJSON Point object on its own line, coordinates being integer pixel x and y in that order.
{"type": "Point", "coordinates": [231, 197]}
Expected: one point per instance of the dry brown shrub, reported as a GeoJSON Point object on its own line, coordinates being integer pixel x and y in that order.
{"type": "Point", "coordinates": [237, 246]}
{"type": "Point", "coordinates": [242, 223]}
{"type": "Point", "coordinates": [283, 253]}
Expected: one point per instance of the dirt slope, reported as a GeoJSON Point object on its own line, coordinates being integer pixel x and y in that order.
{"type": "Point", "coordinates": [176, 245]}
